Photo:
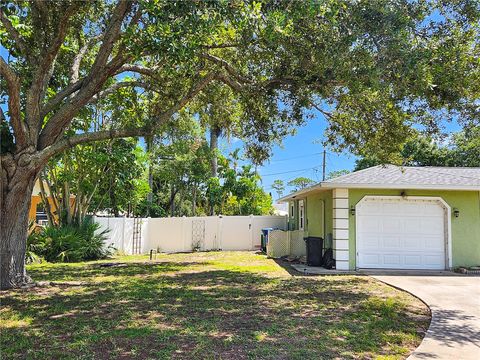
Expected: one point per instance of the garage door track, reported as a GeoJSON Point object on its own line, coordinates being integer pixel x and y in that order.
{"type": "Point", "coordinates": [454, 332]}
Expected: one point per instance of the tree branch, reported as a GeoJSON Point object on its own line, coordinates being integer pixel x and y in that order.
{"type": "Point", "coordinates": [74, 71]}
{"type": "Point", "coordinates": [111, 35]}
{"type": "Point", "coordinates": [66, 143]}
{"type": "Point", "coordinates": [229, 68]}
{"type": "Point", "coordinates": [93, 83]}
{"type": "Point", "coordinates": [235, 85]}
{"type": "Point", "coordinates": [194, 91]}
{"type": "Point", "coordinates": [87, 137]}
{"type": "Point", "coordinates": [118, 85]}
{"type": "Point", "coordinates": [13, 90]}
{"type": "Point", "coordinates": [60, 96]}
{"type": "Point", "coordinates": [44, 72]}
{"type": "Point", "coordinates": [19, 42]}
{"type": "Point", "coordinates": [138, 69]}
{"type": "Point", "coordinates": [325, 113]}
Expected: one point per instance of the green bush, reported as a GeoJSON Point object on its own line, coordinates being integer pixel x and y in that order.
{"type": "Point", "coordinates": [68, 243]}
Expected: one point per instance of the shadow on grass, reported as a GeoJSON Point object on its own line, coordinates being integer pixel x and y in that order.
{"type": "Point", "coordinates": [185, 310]}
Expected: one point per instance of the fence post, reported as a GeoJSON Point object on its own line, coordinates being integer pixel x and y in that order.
{"type": "Point", "coordinates": [144, 240]}
{"type": "Point", "coordinates": [289, 242]}
{"type": "Point", "coordinates": [184, 234]}
{"type": "Point", "coordinates": [123, 234]}
{"type": "Point", "coordinates": [250, 229]}
{"type": "Point", "coordinates": [219, 231]}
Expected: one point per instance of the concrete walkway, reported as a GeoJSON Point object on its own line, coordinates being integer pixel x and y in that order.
{"type": "Point", "coordinates": [454, 332]}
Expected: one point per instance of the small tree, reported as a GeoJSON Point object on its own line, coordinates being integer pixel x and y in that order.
{"type": "Point", "coordinates": [301, 183]}
{"type": "Point", "coordinates": [279, 187]}
{"type": "Point", "coordinates": [337, 173]}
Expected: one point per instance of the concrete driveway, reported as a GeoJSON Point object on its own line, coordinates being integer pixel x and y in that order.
{"type": "Point", "coordinates": [454, 332]}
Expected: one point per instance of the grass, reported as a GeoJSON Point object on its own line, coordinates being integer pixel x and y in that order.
{"type": "Point", "coordinates": [215, 305]}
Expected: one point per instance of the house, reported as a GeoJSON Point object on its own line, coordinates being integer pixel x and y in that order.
{"type": "Point", "coordinates": [37, 212]}
{"type": "Point", "coordinates": [393, 217]}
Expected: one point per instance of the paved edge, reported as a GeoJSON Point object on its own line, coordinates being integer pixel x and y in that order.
{"type": "Point", "coordinates": [415, 296]}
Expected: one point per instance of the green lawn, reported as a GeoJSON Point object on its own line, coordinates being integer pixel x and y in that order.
{"type": "Point", "coordinates": [215, 305]}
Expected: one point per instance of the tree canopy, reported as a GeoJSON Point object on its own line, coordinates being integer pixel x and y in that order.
{"type": "Point", "coordinates": [460, 149]}
{"type": "Point", "coordinates": [375, 69]}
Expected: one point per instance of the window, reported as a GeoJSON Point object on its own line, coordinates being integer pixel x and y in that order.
{"type": "Point", "coordinates": [292, 210]}
{"type": "Point", "coordinates": [301, 215]}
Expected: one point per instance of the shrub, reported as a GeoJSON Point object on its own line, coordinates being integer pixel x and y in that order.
{"type": "Point", "coordinates": [35, 244]}
{"type": "Point", "coordinates": [71, 243]}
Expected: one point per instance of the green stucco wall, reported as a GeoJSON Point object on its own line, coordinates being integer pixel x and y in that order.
{"type": "Point", "coordinates": [314, 217]}
{"type": "Point", "coordinates": [465, 228]}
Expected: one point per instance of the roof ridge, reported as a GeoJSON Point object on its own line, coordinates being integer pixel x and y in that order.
{"type": "Point", "coordinates": [449, 174]}
{"type": "Point", "coordinates": [355, 172]}
{"type": "Point", "coordinates": [441, 167]}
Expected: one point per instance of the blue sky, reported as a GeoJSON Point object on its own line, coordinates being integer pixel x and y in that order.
{"type": "Point", "coordinates": [299, 155]}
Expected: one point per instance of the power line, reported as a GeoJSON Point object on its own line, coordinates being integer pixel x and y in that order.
{"type": "Point", "coordinates": [291, 171]}
{"type": "Point", "coordinates": [295, 157]}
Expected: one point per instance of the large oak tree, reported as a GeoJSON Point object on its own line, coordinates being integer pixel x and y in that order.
{"type": "Point", "coordinates": [374, 68]}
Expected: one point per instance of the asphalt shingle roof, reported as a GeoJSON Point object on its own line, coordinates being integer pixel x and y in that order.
{"type": "Point", "coordinates": [402, 177]}
{"type": "Point", "coordinates": [411, 176]}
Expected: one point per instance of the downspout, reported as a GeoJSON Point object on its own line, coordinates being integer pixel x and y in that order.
{"type": "Point", "coordinates": [324, 223]}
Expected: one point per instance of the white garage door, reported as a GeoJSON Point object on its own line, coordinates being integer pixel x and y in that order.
{"type": "Point", "coordinates": [400, 234]}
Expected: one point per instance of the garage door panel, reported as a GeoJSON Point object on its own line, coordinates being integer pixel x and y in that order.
{"type": "Point", "coordinates": [433, 210]}
{"type": "Point", "coordinates": [391, 242]}
{"type": "Point", "coordinates": [392, 225]}
{"type": "Point", "coordinates": [432, 225]}
{"type": "Point", "coordinates": [412, 225]}
{"type": "Point", "coordinates": [370, 259]}
{"type": "Point", "coordinates": [413, 260]}
{"type": "Point", "coordinates": [401, 234]}
{"type": "Point", "coordinates": [432, 244]}
{"type": "Point", "coordinates": [389, 209]}
{"type": "Point", "coordinates": [412, 209]}
{"type": "Point", "coordinates": [371, 242]}
{"type": "Point", "coordinates": [413, 243]}
{"type": "Point", "coordinates": [391, 260]}
{"type": "Point", "coordinates": [434, 260]}
{"type": "Point", "coordinates": [370, 223]}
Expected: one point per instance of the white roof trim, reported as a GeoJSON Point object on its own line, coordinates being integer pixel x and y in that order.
{"type": "Point", "coordinates": [397, 186]}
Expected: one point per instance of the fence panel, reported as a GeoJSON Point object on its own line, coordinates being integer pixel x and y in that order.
{"type": "Point", "coordinates": [116, 231]}
{"type": "Point", "coordinates": [179, 234]}
{"type": "Point", "coordinates": [297, 244]}
{"type": "Point", "coordinates": [236, 233]}
{"type": "Point", "coordinates": [261, 222]}
{"type": "Point", "coordinates": [278, 244]}
{"type": "Point", "coordinates": [166, 234]}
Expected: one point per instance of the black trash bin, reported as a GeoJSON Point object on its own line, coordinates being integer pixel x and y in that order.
{"type": "Point", "coordinates": [314, 250]}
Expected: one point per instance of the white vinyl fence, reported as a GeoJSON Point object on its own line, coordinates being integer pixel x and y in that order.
{"type": "Point", "coordinates": [178, 234]}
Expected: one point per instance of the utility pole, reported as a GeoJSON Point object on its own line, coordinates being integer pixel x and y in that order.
{"type": "Point", "coordinates": [324, 165]}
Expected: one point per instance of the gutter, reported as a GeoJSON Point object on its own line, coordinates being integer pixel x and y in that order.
{"type": "Point", "coordinates": [332, 185]}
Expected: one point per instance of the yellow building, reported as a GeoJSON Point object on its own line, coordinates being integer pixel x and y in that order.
{"type": "Point", "coordinates": [36, 206]}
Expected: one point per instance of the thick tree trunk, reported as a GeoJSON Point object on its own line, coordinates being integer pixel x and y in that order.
{"type": "Point", "coordinates": [215, 133]}
{"type": "Point", "coordinates": [194, 200]}
{"type": "Point", "coordinates": [14, 207]}
{"type": "Point", "coordinates": [173, 193]}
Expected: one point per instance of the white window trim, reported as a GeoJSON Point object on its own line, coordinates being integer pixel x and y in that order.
{"type": "Point", "coordinates": [447, 207]}
{"type": "Point", "coordinates": [301, 215]}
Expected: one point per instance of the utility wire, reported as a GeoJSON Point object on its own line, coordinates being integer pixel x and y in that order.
{"type": "Point", "coordinates": [291, 171]}
{"type": "Point", "coordinates": [295, 157]}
